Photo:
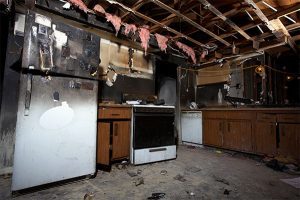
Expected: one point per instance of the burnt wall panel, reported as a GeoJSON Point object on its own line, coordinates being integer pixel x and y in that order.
{"type": "Point", "coordinates": [125, 84]}
{"type": "Point", "coordinates": [9, 102]}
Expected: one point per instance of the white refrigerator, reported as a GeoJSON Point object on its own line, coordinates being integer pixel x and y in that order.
{"type": "Point", "coordinates": [56, 127]}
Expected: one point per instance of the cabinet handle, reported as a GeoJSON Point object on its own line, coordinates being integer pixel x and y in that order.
{"type": "Point", "coordinates": [116, 130]}
{"type": "Point", "coordinates": [115, 114]}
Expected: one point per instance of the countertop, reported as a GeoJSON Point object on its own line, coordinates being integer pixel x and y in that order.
{"type": "Point", "coordinates": [112, 105]}
{"type": "Point", "coordinates": [245, 108]}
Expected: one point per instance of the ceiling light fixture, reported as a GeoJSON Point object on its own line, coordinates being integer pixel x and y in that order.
{"type": "Point", "coordinates": [289, 18]}
{"type": "Point", "coordinates": [249, 15]}
{"type": "Point", "coordinates": [268, 5]}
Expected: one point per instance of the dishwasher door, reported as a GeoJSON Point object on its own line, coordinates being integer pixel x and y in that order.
{"type": "Point", "coordinates": [191, 127]}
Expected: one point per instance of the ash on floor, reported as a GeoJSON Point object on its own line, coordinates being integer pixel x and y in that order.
{"type": "Point", "coordinates": [206, 174]}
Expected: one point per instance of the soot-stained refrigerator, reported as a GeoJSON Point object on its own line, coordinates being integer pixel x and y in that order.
{"type": "Point", "coordinates": [57, 110]}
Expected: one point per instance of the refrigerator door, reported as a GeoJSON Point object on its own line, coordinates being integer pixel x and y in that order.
{"type": "Point", "coordinates": [54, 47]}
{"type": "Point", "coordinates": [56, 130]}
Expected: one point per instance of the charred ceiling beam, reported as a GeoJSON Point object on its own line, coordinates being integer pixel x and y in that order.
{"type": "Point", "coordinates": [225, 19]}
{"type": "Point", "coordinates": [135, 6]}
{"type": "Point", "coordinates": [188, 20]}
{"type": "Point", "coordinates": [156, 22]}
{"type": "Point", "coordinates": [275, 26]}
{"type": "Point", "coordinates": [172, 17]}
{"type": "Point", "coordinates": [258, 21]}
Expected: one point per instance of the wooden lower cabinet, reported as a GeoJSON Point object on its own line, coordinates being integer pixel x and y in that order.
{"type": "Point", "coordinates": [113, 140]}
{"type": "Point", "coordinates": [212, 132]}
{"type": "Point", "coordinates": [265, 138]}
{"type": "Point", "coordinates": [289, 137]}
{"type": "Point", "coordinates": [237, 135]}
{"type": "Point", "coordinates": [272, 132]}
{"type": "Point", "coordinates": [103, 143]}
{"type": "Point", "coordinates": [121, 140]}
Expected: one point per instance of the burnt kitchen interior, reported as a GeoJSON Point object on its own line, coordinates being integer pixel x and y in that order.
{"type": "Point", "coordinates": [159, 99]}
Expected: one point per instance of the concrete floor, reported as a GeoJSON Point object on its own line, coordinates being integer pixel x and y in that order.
{"type": "Point", "coordinates": [207, 175]}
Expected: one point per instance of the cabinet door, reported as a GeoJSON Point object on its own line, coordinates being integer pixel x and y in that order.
{"type": "Point", "coordinates": [265, 138]}
{"type": "Point", "coordinates": [237, 135]}
{"type": "Point", "coordinates": [213, 132]}
{"type": "Point", "coordinates": [103, 143]}
{"type": "Point", "coordinates": [121, 139]}
{"type": "Point", "coordinates": [289, 140]}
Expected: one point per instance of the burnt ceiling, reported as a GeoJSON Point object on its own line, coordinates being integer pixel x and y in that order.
{"type": "Point", "coordinates": [234, 26]}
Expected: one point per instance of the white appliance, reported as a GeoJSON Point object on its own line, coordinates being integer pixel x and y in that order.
{"type": "Point", "coordinates": [153, 137]}
{"type": "Point", "coordinates": [56, 127]}
{"type": "Point", "coordinates": [191, 127]}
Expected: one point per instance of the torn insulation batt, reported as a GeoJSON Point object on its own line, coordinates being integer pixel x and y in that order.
{"type": "Point", "coordinates": [144, 36]}
{"type": "Point", "coordinates": [188, 50]}
{"type": "Point", "coordinates": [161, 41]}
{"type": "Point", "coordinates": [79, 4]}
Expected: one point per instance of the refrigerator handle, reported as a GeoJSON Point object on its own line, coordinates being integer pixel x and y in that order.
{"type": "Point", "coordinates": [28, 94]}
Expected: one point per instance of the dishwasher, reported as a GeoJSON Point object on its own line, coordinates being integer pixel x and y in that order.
{"type": "Point", "coordinates": [191, 127]}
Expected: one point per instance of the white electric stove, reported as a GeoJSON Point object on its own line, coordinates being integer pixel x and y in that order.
{"type": "Point", "coordinates": [153, 137]}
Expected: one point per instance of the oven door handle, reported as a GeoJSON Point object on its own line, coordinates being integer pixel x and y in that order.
{"type": "Point", "coordinates": [157, 149]}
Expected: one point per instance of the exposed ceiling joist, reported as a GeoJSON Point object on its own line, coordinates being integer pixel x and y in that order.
{"type": "Point", "coordinates": [156, 22]}
{"type": "Point", "coordinates": [172, 17]}
{"type": "Point", "coordinates": [136, 6]}
{"type": "Point", "coordinates": [225, 19]}
{"type": "Point", "coordinates": [188, 20]}
{"type": "Point", "coordinates": [275, 26]}
{"type": "Point", "coordinates": [256, 22]}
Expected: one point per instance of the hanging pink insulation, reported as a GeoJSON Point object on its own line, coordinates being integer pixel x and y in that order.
{"type": "Point", "coordinates": [129, 28]}
{"type": "Point", "coordinates": [203, 54]}
{"type": "Point", "coordinates": [161, 41]}
{"type": "Point", "coordinates": [144, 34]}
{"type": "Point", "coordinates": [99, 9]}
{"type": "Point", "coordinates": [115, 20]}
{"type": "Point", "coordinates": [188, 50]}
{"type": "Point", "coordinates": [79, 4]}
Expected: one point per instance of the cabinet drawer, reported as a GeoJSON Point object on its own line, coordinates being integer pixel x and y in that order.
{"type": "Point", "coordinates": [265, 117]}
{"type": "Point", "coordinates": [288, 118]}
{"type": "Point", "coordinates": [114, 113]}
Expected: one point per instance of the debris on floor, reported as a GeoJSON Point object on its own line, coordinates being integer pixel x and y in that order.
{"type": "Point", "coordinates": [295, 182]}
{"type": "Point", "coordinates": [218, 151]}
{"type": "Point", "coordinates": [163, 172]}
{"type": "Point", "coordinates": [139, 171]}
{"type": "Point", "coordinates": [190, 193]}
{"type": "Point", "coordinates": [122, 165]}
{"type": "Point", "coordinates": [292, 169]}
{"type": "Point", "coordinates": [89, 196]}
{"type": "Point", "coordinates": [180, 178]}
{"type": "Point", "coordinates": [193, 169]}
{"type": "Point", "coordinates": [131, 174]}
{"type": "Point", "coordinates": [139, 181]}
{"type": "Point", "coordinates": [221, 180]}
{"type": "Point", "coordinates": [226, 192]}
{"type": "Point", "coordinates": [157, 196]}
{"type": "Point", "coordinates": [274, 164]}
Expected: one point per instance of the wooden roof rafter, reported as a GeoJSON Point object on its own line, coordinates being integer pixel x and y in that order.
{"type": "Point", "coordinates": [144, 17]}
{"type": "Point", "coordinates": [257, 21]}
{"type": "Point", "coordinates": [188, 20]}
{"type": "Point", "coordinates": [275, 26]}
{"type": "Point", "coordinates": [225, 19]}
{"type": "Point", "coordinates": [172, 17]}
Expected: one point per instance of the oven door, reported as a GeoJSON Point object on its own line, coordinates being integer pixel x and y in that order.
{"type": "Point", "coordinates": [153, 130]}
